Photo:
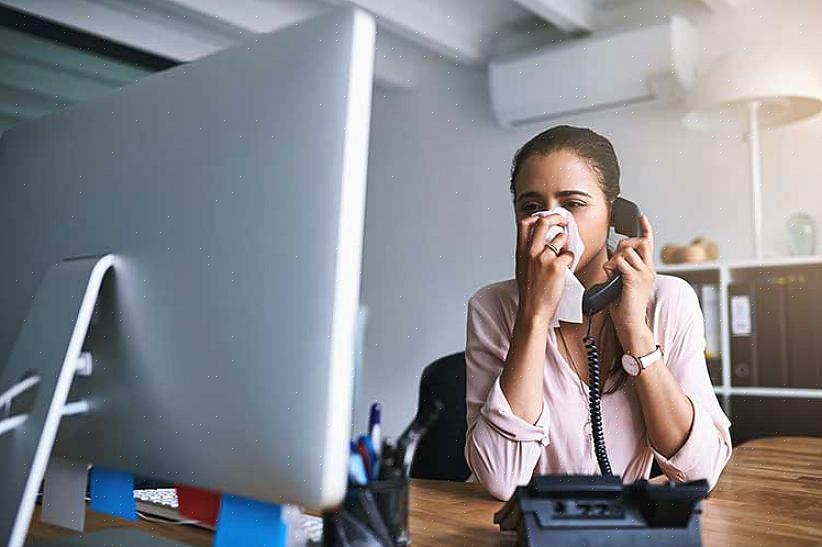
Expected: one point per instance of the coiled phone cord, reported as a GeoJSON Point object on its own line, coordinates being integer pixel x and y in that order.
{"type": "Point", "coordinates": [594, 402]}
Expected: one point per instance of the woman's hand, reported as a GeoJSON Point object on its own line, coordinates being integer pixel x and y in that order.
{"type": "Point", "coordinates": [540, 271]}
{"type": "Point", "coordinates": [634, 260]}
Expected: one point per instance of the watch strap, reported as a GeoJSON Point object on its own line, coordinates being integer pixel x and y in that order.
{"type": "Point", "coordinates": [647, 360]}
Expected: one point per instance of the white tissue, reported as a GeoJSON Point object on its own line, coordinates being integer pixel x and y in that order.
{"type": "Point", "coordinates": [570, 303]}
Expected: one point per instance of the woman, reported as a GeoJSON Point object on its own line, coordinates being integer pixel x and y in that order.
{"type": "Point", "coordinates": [527, 385]}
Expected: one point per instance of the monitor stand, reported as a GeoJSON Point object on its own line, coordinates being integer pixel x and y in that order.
{"type": "Point", "coordinates": [41, 367]}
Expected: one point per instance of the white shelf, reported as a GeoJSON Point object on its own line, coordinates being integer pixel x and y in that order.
{"type": "Point", "coordinates": [771, 392]}
{"type": "Point", "coordinates": [777, 261]}
{"type": "Point", "coordinates": [740, 264]}
{"type": "Point", "coordinates": [690, 267]}
{"type": "Point", "coordinates": [724, 271]}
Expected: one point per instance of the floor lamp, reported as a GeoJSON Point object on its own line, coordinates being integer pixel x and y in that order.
{"type": "Point", "coordinates": [745, 91]}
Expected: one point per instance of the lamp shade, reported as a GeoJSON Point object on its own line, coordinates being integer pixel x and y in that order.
{"type": "Point", "coordinates": [785, 88]}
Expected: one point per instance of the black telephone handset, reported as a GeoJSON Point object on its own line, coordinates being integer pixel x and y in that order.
{"type": "Point", "coordinates": [625, 220]}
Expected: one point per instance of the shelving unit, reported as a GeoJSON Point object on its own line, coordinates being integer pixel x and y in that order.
{"type": "Point", "coordinates": [724, 273]}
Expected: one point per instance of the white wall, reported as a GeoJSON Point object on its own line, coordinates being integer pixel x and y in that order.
{"type": "Point", "coordinates": [439, 218]}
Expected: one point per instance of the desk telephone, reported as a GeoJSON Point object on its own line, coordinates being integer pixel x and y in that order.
{"type": "Point", "coordinates": [580, 510]}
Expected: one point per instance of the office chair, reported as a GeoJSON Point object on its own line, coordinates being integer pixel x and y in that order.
{"type": "Point", "coordinates": [440, 453]}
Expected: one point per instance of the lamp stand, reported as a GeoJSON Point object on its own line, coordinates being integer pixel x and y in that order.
{"type": "Point", "coordinates": [756, 174]}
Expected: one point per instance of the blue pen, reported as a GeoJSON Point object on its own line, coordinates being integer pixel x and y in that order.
{"type": "Point", "coordinates": [356, 467]}
{"type": "Point", "coordinates": [374, 428]}
{"type": "Point", "coordinates": [372, 456]}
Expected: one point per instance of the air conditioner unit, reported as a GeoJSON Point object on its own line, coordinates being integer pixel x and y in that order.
{"type": "Point", "coordinates": [594, 74]}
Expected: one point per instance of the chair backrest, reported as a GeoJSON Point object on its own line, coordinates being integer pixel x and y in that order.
{"type": "Point", "coordinates": [440, 454]}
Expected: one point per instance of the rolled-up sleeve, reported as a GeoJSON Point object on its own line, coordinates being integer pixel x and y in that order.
{"type": "Point", "coordinates": [707, 447]}
{"type": "Point", "coordinates": [501, 448]}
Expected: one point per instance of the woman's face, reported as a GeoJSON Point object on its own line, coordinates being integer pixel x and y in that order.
{"type": "Point", "coordinates": [563, 179]}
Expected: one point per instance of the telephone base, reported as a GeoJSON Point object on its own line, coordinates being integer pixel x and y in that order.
{"type": "Point", "coordinates": [589, 511]}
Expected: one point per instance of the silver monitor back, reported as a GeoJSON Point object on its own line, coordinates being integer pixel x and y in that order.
{"type": "Point", "coordinates": [232, 192]}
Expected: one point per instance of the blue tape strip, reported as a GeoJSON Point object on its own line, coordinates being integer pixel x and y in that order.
{"type": "Point", "coordinates": [112, 492]}
{"type": "Point", "coordinates": [247, 522]}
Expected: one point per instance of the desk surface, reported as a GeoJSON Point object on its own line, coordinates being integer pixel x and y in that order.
{"type": "Point", "coordinates": [769, 494]}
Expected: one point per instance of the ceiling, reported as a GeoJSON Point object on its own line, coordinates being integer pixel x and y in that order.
{"type": "Point", "coordinates": [38, 75]}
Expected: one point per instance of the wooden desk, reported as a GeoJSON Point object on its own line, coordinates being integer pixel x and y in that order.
{"type": "Point", "coordinates": [770, 494]}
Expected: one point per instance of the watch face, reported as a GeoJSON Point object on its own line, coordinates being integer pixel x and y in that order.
{"type": "Point", "coordinates": [630, 365]}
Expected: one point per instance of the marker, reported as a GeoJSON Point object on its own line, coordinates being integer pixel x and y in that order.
{"type": "Point", "coordinates": [356, 467]}
{"type": "Point", "coordinates": [388, 465]}
{"type": "Point", "coordinates": [375, 428]}
{"type": "Point", "coordinates": [372, 456]}
{"type": "Point", "coordinates": [362, 449]}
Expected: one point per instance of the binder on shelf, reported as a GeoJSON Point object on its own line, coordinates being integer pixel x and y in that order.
{"type": "Point", "coordinates": [771, 332]}
{"type": "Point", "coordinates": [710, 312]}
{"type": "Point", "coordinates": [803, 294]}
{"type": "Point", "coordinates": [713, 338]}
{"type": "Point", "coordinates": [743, 334]}
{"type": "Point", "coordinates": [773, 307]}
{"type": "Point", "coordinates": [709, 298]}
{"type": "Point", "coordinates": [714, 370]}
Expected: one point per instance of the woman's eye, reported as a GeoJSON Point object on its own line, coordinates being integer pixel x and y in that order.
{"type": "Point", "coordinates": [573, 204]}
{"type": "Point", "coordinates": [531, 208]}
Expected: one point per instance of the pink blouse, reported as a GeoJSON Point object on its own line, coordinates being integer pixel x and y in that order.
{"type": "Point", "coordinates": [503, 450]}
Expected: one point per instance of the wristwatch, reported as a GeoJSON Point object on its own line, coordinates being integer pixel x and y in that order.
{"type": "Point", "coordinates": [635, 365]}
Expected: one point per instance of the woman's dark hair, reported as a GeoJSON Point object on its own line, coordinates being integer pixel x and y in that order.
{"type": "Point", "coordinates": [593, 148]}
{"type": "Point", "coordinates": [598, 153]}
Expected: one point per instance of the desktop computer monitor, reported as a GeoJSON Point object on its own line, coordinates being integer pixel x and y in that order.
{"type": "Point", "coordinates": [231, 193]}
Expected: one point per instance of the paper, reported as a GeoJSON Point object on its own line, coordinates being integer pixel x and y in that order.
{"type": "Point", "coordinates": [570, 302]}
{"type": "Point", "coordinates": [64, 494]}
{"type": "Point", "coordinates": [248, 522]}
{"type": "Point", "coordinates": [112, 492]}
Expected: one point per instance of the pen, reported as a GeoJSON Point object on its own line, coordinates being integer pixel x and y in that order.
{"type": "Point", "coordinates": [388, 466]}
{"type": "Point", "coordinates": [356, 467]}
{"type": "Point", "coordinates": [373, 459]}
{"type": "Point", "coordinates": [372, 512]}
{"type": "Point", "coordinates": [374, 427]}
{"type": "Point", "coordinates": [362, 450]}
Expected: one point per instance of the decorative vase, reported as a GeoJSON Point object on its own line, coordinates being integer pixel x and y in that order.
{"type": "Point", "coordinates": [801, 234]}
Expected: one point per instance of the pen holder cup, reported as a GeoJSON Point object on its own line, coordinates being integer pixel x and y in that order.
{"type": "Point", "coordinates": [372, 514]}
